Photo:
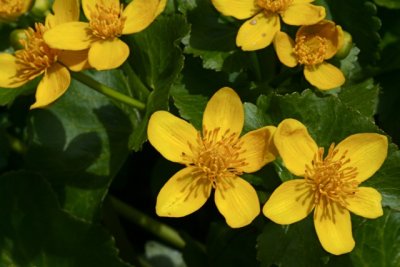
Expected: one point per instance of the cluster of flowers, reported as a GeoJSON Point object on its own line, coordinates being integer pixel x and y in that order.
{"type": "Point", "coordinates": [317, 40]}
{"type": "Point", "coordinates": [64, 43]}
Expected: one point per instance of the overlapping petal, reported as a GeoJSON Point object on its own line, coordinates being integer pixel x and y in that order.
{"type": "Point", "coordinates": [108, 54]}
{"type": "Point", "coordinates": [295, 145]}
{"type": "Point", "coordinates": [366, 202]}
{"type": "Point", "coordinates": [8, 72]}
{"type": "Point", "coordinates": [70, 36]}
{"type": "Point", "coordinates": [139, 14]}
{"type": "Point", "coordinates": [64, 11]}
{"type": "Point", "coordinates": [238, 202]}
{"type": "Point", "coordinates": [258, 148]}
{"type": "Point", "coordinates": [74, 60]}
{"type": "Point", "coordinates": [333, 226]}
{"type": "Point", "coordinates": [366, 151]}
{"type": "Point", "coordinates": [183, 194]}
{"type": "Point", "coordinates": [284, 48]}
{"type": "Point", "coordinates": [303, 14]}
{"type": "Point", "coordinates": [324, 76]}
{"type": "Point", "coordinates": [258, 32]}
{"type": "Point", "coordinates": [224, 111]}
{"type": "Point", "coordinates": [291, 202]}
{"type": "Point", "coordinates": [240, 9]}
{"type": "Point", "coordinates": [171, 135]}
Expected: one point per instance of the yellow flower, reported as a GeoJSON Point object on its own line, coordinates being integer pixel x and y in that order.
{"type": "Point", "coordinates": [259, 31]}
{"type": "Point", "coordinates": [330, 185]}
{"type": "Point", "coordinates": [107, 21]}
{"type": "Point", "coordinates": [313, 45]}
{"type": "Point", "coordinates": [36, 58]}
{"type": "Point", "coordinates": [10, 10]}
{"type": "Point", "coordinates": [214, 158]}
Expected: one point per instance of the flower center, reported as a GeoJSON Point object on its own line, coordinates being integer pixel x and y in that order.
{"type": "Point", "coordinates": [107, 21]}
{"type": "Point", "coordinates": [216, 159]}
{"type": "Point", "coordinates": [274, 6]}
{"type": "Point", "coordinates": [10, 7]}
{"type": "Point", "coordinates": [310, 50]}
{"type": "Point", "coordinates": [331, 180]}
{"type": "Point", "coordinates": [36, 56]}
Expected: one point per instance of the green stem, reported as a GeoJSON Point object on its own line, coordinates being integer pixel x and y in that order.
{"type": "Point", "coordinates": [89, 81]}
{"type": "Point", "coordinates": [163, 231]}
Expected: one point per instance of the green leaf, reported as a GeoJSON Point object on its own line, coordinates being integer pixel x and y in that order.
{"type": "Point", "coordinates": [8, 95]}
{"type": "Point", "coordinates": [392, 4]}
{"type": "Point", "coordinates": [157, 60]}
{"type": "Point", "coordinates": [362, 97]}
{"type": "Point", "coordinates": [79, 144]}
{"type": "Point", "coordinates": [34, 231]}
{"type": "Point", "coordinates": [378, 241]}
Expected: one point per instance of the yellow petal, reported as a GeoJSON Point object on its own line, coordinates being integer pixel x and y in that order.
{"type": "Point", "coordinates": [238, 202]}
{"type": "Point", "coordinates": [324, 76]}
{"type": "Point", "coordinates": [108, 54]}
{"type": "Point", "coordinates": [8, 72]}
{"type": "Point", "coordinates": [366, 151]}
{"type": "Point", "coordinates": [258, 32]}
{"type": "Point", "coordinates": [74, 60]}
{"type": "Point", "coordinates": [90, 5]}
{"type": "Point", "coordinates": [334, 230]}
{"type": "Point", "coordinates": [303, 14]}
{"type": "Point", "coordinates": [258, 148]}
{"type": "Point", "coordinates": [284, 47]}
{"type": "Point", "coordinates": [183, 194]}
{"type": "Point", "coordinates": [301, 1]}
{"type": "Point", "coordinates": [140, 14]}
{"type": "Point", "coordinates": [69, 36]}
{"type": "Point", "coordinates": [291, 202]}
{"type": "Point", "coordinates": [240, 9]}
{"type": "Point", "coordinates": [64, 11]}
{"type": "Point", "coordinates": [54, 83]}
{"type": "Point", "coordinates": [171, 135]}
{"type": "Point", "coordinates": [161, 7]}
{"type": "Point", "coordinates": [224, 111]}
{"type": "Point", "coordinates": [366, 202]}
{"type": "Point", "coordinates": [295, 145]}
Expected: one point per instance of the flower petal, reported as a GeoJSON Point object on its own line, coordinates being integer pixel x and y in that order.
{"type": "Point", "coordinates": [258, 32]}
{"type": "Point", "coordinates": [64, 11]}
{"type": "Point", "coordinates": [259, 148]}
{"type": "Point", "coordinates": [324, 76]}
{"type": "Point", "coordinates": [295, 145]}
{"type": "Point", "coordinates": [54, 83]}
{"type": "Point", "coordinates": [108, 54]}
{"type": "Point", "coordinates": [240, 9]}
{"type": "Point", "coordinates": [238, 203]}
{"type": "Point", "coordinates": [291, 202]}
{"type": "Point", "coordinates": [224, 111]}
{"type": "Point", "coordinates": [303, 14]}
{"type": "Point", "coordinates": [366, 151]}
{"type": "Point", "coordinates": [367, 202]}
{"type": "Point", "coordinates": [183, 194]}
{"type": "Point", "coordinates": [333, 226]}
{"type": "Point", "coordinates": [284, 47]}
{"type": "Point", "coordinates": [69, 36]}
{"type": "Point", "coordinates": [8, 72]}
{"type": "Point", "coordinates": [74, 60]}
{"type": "Point", "coordinates": [171, 135]}
{"type": "Point", "coordinates": [88, 5]}
{"type": "Point", "coordinates": [161, 7]}
{"type": "Point", "coordinates": [139, 15]}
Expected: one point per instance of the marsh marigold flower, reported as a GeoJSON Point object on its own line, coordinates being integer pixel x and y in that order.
{"type": "Point", "coordinates": [37, 58]}
{"type": "Point", "coordinates": [314, 44]}
{"type": "Point", "coordinates": [259, 31]}
{"type": "Point", "coordinates": [330, 185]}
{"type": "Point", "coordinates": [10, 10]}
{"type": "Point", "coordinates": [108, 20]}
{"type": "Point", "coordinates": [214, 158]}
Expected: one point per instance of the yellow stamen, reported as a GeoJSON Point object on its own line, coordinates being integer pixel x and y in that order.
{"type": "Point", "coordinates": [107, 22]}
{"type": "Point", "coordinates": [10, 8]}
{"type": "Point", "coordinates": [310, 50]}
{"type": "Point", "coordinates": [331, 180]}
{"type": "Point", "coordinates": [36, 56]}
{"type": "Point", "coordinates": [216, 158]}
{"type": "Point", "coordinates": [274, 6]}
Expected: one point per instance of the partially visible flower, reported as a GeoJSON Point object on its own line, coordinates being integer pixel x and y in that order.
{"type": "Point", "coordinates": [330, 185]}
{"type": "Point", "coordinates": [214, 158]}
{"type": "Point", "coordinates": [108, 20]}
{"type": "Point", "coordinates": [314, 44]}
{"type": "Point", "coordinates": [36, 58]}
{"type": "Point", "coordinates": [259, 31]}
{"type": "Point", "coordinates": [10, 10]}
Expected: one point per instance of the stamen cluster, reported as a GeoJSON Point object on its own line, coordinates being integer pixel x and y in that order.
{"type": "Point", "coordinates": [274, 6]}
{"type": "Point", "coordinates": [310, 50]}
{"type": "Point", "coordinates": [10, 7]}
{"type": "Point", "coordinates": [107, 22]}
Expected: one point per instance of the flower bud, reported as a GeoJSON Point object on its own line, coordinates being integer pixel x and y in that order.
{"type": "Point", "coordinates": [40, 8]}
{"type": "Point", "coordinates": [344, 50]}
{"type": "Point", "coordinates": [15, 38]}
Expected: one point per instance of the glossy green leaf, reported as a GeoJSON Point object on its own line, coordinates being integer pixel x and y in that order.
{"type": "Point", "coordinates": [393, 4]}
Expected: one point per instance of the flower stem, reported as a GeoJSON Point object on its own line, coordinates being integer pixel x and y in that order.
{"type": "Point", "coordinates": [105, 90]}
{"type": "Point", "coordinates": [157, 228]}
